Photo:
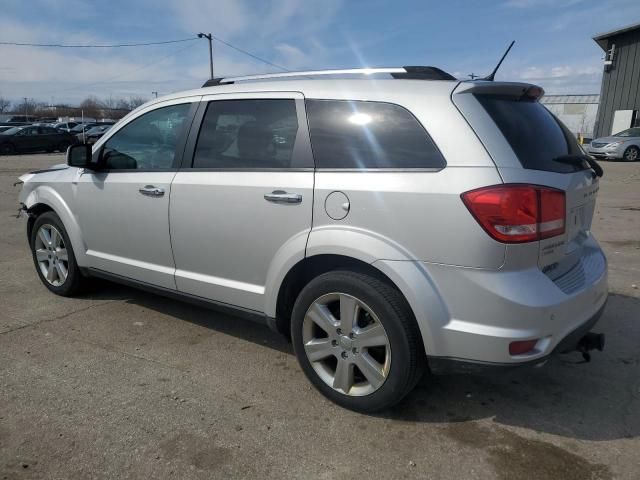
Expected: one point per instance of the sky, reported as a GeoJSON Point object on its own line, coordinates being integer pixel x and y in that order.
{"type": "Point", "coordinates": [554, 46]}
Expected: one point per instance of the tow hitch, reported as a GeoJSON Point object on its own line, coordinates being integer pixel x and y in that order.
{"type": "Point", "coordinates": [591, 341]}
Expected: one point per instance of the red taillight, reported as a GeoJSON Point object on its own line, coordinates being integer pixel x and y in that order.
{"type": "Point", "coordinates": [522, 347]}
{"type": "Point", "coordinates": [516, 213]}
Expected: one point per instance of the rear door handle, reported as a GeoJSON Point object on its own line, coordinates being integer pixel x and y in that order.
{"type": "Point", "coordinates": [152, 191]}
{"type": "Point", "coordinates": [280, 196]}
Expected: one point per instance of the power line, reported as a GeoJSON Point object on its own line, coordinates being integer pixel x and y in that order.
{"type": "Point", "coordinates": [129, 72]}
{"type": "Point", "coordinates": [58, 45]}
{"type": "Point", "coordinates": [144, 44]}
{"type": "Point", "coordinates": [248, 53]}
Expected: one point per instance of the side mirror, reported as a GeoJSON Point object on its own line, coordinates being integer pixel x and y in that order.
{"type": "Point", "coordinates": [79, 155]}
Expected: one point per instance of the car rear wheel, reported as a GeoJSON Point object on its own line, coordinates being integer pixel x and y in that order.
{"type": "Point", "coordinates": [62, 146]}
{"type": "Point", "coordinates": [7, 149]}
{"type": "Point", "coordinates": [631, 154]}
{"type": "Point", "coordinates": [53, 256]}
{"type": "Point", "coordinates": [356, 340]}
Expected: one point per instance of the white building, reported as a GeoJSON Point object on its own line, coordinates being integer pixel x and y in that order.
{"type": "Point", "coordinates": [577, 112]}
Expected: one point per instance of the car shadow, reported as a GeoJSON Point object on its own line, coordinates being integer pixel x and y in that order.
{"type": "Point", "coordinates": [568, 397]}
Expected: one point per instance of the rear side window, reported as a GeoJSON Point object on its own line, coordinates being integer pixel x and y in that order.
{"type": "Point", "coordinates": [247, 134]}
{"type": "Point", "coordinates": [534, 134]}
{"type": "Point", "coordinates": [365, 135]}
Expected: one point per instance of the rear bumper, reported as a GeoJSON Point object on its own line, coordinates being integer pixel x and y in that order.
{"type": "Point", "coordinates": [449, 365]}
{"type": "Point", "coordinates": [472, 315]}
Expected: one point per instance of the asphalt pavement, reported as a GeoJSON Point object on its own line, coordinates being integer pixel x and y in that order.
{"type": "Point", "coordinates": [121, 383]}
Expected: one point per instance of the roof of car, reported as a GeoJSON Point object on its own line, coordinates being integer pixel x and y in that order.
{"type": "Point", "coordinates": [353, 89]}
{"type": "Point", "coordinates": [405, 85]}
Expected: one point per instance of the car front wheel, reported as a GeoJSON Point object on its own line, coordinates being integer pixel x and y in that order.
{"type": "Point", "coordinates": [631, 154]}
{"type": "Point", "coordinates": [7, 149]}
{"type": "Point", "coordinates": [356, 340]}
{"type": "Point", "coordinates": [53, 256]}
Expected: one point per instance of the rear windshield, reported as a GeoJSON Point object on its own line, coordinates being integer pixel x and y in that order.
{"type": "Point", "coordinates": [535, 135]}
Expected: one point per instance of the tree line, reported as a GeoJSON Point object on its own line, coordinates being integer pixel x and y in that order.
{"type": "Point", "coordinates": [91, 107]}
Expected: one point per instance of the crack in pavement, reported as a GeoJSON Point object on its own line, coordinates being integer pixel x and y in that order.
{"type": "Point", "coordinates": [59, 317]}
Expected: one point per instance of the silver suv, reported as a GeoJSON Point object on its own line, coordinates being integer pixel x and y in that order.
{"type": "Point", "coordinates": [388, 226]}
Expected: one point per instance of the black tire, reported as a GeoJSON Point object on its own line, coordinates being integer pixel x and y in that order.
{"type": "Point", "coordinates": [74, 282]}
{"type": "Point", "coordinates": [631, 154]}
{"type": "Point", "coordinates": [407, 359]}
{"type": "Point", "coordinates": [62, 146]}
{"type": "Point", "coordinates": [7, 149]}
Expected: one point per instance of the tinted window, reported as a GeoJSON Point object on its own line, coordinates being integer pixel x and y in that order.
{"type": "Point", "coordinates": [148, 142]}
{"type": "Point", "coordinates": [352, 134]}
{"type": "Point", "coordinates": [631, 132]}
{"type": "Point", "coordinates": [247, 134]}
{"type": "Point", "coordinates": [29, 131]}
{"type": "Point", "coordinates": [535, 135]}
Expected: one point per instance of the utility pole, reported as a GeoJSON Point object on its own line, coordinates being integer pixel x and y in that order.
{"type": "Point", "coordinates": [155, 94]}
{"type": "Point", "coordinates": [473, 76]}
{"type": "Point", "coordinates": [209, 37]}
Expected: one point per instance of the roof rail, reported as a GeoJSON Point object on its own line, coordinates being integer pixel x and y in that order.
{"type": "Point", "coordinates": [415, 73]}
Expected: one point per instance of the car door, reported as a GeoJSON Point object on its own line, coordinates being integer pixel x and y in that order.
{"type": "Point", "coordinates": [123, 206]}
{"type": "Point", "coordinates": [50, 138]}
{"type": "Point", "coordinates": [27, 139]}
{"type": "Point", "coordinates": [246, 198]}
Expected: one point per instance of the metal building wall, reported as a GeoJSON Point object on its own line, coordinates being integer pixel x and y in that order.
{"type": "Point", "coordinates": [621, 85]}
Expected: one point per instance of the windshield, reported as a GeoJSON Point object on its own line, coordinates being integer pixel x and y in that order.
{"type": "Point", "coordinates": [11, 131]}
{"type": "Point", "coordinates": [631, 132]}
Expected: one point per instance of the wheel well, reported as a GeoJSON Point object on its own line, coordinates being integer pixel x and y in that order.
{"type": "Point", "coordinates": [308, 269]}
{"type": "Point", "coordinates": [34, 212]}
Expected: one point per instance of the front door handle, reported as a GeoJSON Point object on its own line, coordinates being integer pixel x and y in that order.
{"type": "Point", "coordinates": [280, 196]}
{"type": "Point", "coordinates": [152, 191]}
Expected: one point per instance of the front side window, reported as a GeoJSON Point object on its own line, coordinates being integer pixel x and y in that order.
{"type": "Point", "coordinates": [148, 142]}
{"type": "Point", "coordinates": [365, 135]}
{"type": "Point", "coordinates": [247, 134]}
{"type": "Point", "coordinates": [29, 131]}
{"type": "Point", "coordinates": [630, 132]}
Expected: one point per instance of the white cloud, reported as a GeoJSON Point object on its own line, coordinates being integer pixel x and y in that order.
{"type": "Point", "coordinates": [72, 74]}
{"type": "Point", "coordinates": [577, 78]}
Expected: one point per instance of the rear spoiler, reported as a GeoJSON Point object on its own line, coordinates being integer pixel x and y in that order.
{"type": "Point", "coordinates": [517, 90]}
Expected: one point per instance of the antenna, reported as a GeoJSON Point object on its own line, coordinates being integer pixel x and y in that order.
{"type": "Point", "coordinates": [492, 75]}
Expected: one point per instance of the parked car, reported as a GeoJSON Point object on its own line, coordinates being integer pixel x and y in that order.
{"type": "Point", "coordinates": [21, 119]}
{"type": "Point", "coordinates": [65, 126]}
{"type": "Point", "coordinates": [86, 126]}
{"type": "Point", "coordinates": [33, 139]}
{"type": "Point", "coordinates": [428, 227]}
{"type": "Point", "coordinates": [624, 145]}
{"type": "Point", "coordinates": [92, 134]}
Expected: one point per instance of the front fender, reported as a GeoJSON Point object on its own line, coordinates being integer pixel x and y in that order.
{"type": "Point", "coordinates": [46, 195]}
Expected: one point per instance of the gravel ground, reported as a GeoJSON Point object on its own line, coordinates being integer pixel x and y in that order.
{"type": "Point", "coordinates": [124, 384]}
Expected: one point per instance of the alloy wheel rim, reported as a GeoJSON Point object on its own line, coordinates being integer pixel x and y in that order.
{"type": "Point", "coordinates": [346, 344]}
{"type": "Point", "coordinates": [51, 255]}
{"type": "Point", "coordinates": [632, 154]}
